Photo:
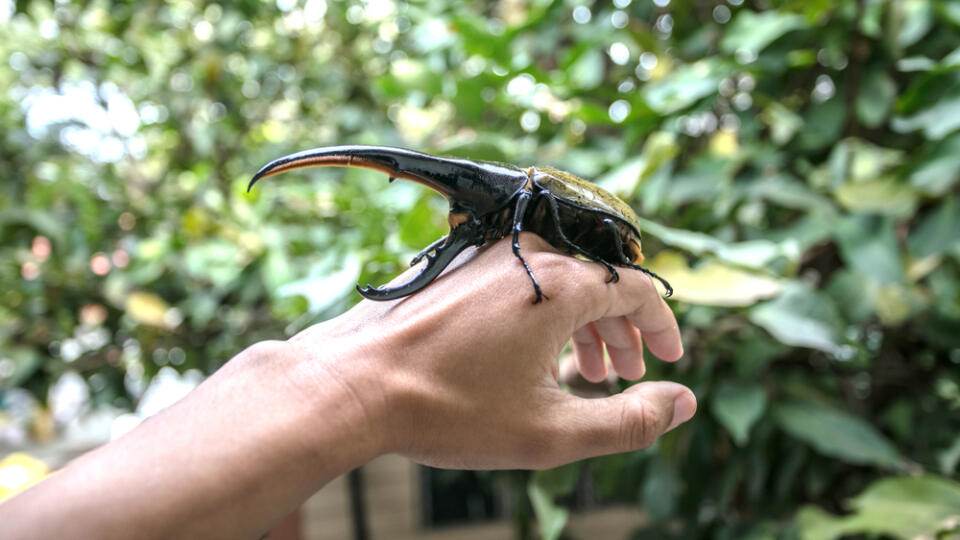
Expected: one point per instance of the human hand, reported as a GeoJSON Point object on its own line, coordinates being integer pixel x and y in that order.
{"type": "Point", "coordinates": [464, 373]}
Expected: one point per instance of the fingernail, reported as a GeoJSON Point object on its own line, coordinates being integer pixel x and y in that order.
{"type": "Point", "coordinates": [684, 406]}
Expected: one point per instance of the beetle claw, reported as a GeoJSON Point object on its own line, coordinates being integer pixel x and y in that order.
{"type": "Point", "coordinates": [540, 296]}
{"type": "Point", "coordinates": [614, 276]}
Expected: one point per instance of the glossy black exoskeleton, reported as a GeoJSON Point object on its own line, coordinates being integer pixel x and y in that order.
{"type": "Point", "coordinates": [491, 200]}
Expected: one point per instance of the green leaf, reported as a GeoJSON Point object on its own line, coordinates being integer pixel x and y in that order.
{"type": "Point", "coordinates": [857, 160]}
{"type": "Point", "coordinates": [658, 149]}
{"type": "Point", "coordinates": [683, 87]}
{"type": "Point", "coordinates": [949, 457]}
{"type": "Point", "coordinates": [23, 362]}
{"type": "Point", "coordinates": [936, 121]}
{"type": "Point", "coordinates": [823, 125]}
{"type": "Point", "coordinates": [937, 231]}
{"type": "Point", "coordinates": [751, 32]}
{"type": "Point", "coordinates": [587, 71]}
{"type": "Point", "coordinates": [938, 171]}
{"type": "Point", "coordinates": [550, 517]}
{"type": "Point", "coordinates": [800, 317]}
{"type": "Point", "coordinates": [660, 489]}
{"type": "Point", "coordinates": [875, 99]}
{"type": "Point", "coordinates": [951, 12]}
{"type": "Point", "coordinates": [624, 179]}
{"type": "Point", "coordinates": [325, 286]}
{"type": "Point", "coordinates": [903, 507]}
{"type": "Point", "coordinates": [421, 224]}
{"type": "Point", "coordinates": [216, 261]}
{"type": "Point", "coordinates": [853, 294]}
{"type": "Point", "coordinates": [869, 246]}
{"type": "Point", "coordinates": [543, 488]}
{"type": "Point", "coordinates": [559, 481]}
{"type": "Point", "coordinates": [783, 122]}
{"type": "Point", "coordinates": [837, 434]}
{"type": "Point", "coordinates": [738, 406]}
{"type": "Point", "coordinates": [789, 192]}
{"type": "Point", "coordinates": [911, 20]}
{"type": "Point", "coordinates": [754, 254]}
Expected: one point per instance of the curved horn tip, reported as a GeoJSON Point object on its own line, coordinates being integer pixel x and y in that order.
{"type": "Point", "coordinates": [263, 172]}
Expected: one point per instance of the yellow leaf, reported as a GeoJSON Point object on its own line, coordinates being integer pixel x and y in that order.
{"type": "Point", "coordinates": [917, 269]}
{"type": "Point", "coordinates": [724, 143]}
{"type": "Point", "coordinates": [273, 131]}
{"type": "Point", "coordinates": [18, 471]}
{"type": "Point", "coordinates": [713, 283]}
{"type": "Point", "coordinates": [892, 304]}
{"type": "Point", "coordinates": [195, 222]}
{"type": "Point", "coordinates": [884, 196]}
{"type": "Point", "coordinates": [149, 309]}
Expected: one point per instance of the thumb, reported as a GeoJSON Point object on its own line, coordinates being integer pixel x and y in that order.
{"type": "Point", "coordinates": [624, 422]}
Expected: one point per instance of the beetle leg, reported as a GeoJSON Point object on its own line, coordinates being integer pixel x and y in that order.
{"type": "Point", "coordinates": [555, 213]}
{"type": "Point", "coordinates": [666, 284]}
{"type": "Point", "coordinates": [623, 258]}
{"type": "Point", "coordinates": [459, 239]}
{"type": "Point", "coordinates": [522, 199]}
{"type": "Point", "coordinates": [423, 252]}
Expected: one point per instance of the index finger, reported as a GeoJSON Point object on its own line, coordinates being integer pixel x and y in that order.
{"type": "Point", "coordinates": [656, 321]}
{"type": "Point", "coordinates": [636, 298]}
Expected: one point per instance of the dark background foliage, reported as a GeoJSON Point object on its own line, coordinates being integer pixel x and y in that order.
{"type": "Point", "coordinates": [796, 163]}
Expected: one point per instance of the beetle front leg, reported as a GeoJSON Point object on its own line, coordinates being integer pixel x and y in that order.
{"type": "Point", "coordinates": [459, 239]}
{"type": "Point", "coordinates": [423, 253]}
{"type": "Point", "coordinates": [522, 199]}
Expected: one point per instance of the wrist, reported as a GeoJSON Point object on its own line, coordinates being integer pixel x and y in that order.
{"type": "Point", "coordinates": [342, 397]}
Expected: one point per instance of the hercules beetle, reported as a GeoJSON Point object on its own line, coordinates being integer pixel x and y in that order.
{"type": "Point", "coordinates": [489, 200]}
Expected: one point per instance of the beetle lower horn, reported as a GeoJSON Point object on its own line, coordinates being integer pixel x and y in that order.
{"type": "Point", "coordinates": [471, 187]}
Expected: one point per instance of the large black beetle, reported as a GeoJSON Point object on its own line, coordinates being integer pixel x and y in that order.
{"type": "Point", "coordinates": [490, 200]}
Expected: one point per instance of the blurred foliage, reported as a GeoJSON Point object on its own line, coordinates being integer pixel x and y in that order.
{"type": "Point", "coordinates": [797, 163]}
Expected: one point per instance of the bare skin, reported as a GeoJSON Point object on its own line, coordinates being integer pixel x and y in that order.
{"type": "Point", "coordinates": [461, 375]}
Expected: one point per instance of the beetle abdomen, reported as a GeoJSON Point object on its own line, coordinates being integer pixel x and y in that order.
{"type": "Point", "coordinates": [589, 231]}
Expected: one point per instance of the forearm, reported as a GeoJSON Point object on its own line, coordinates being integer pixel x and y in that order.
{"type": "Point", "coordinates": [238, 453]}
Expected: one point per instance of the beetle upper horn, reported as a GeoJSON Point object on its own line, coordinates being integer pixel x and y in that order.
{"type": "Point", "coordinates": [474, 186]}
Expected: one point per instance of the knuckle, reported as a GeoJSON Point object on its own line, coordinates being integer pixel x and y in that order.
{"type": "Point", "coordinates": [639, 425]}
{"type": "Point", "coordinates": [558, 267]}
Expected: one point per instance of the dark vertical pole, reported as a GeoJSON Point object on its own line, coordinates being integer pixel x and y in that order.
{"type": "Point", "coordinates": [358, 509]}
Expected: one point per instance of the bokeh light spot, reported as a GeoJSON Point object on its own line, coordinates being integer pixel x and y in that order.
{"type": "Point", "coordinates": [100, 264]}
{"type": "Point", "coordinates": [582, 15]}
{"type": "Point", "coordinates": [619, 110]}
{"type": "Point", "coordinates": [30, 271]}
{"type": "Point", "coordinates": [41, 248]}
